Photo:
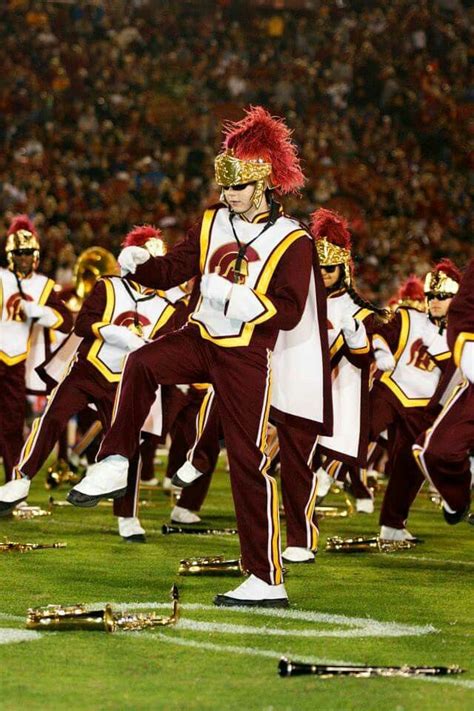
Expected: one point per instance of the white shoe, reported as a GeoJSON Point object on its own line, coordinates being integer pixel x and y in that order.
{"type": "Point", "coordinates": [324, 484]}
{"type": "Point", "coordinates": [295, 554]}
{"type": "Point", "coordinates": [181, 515]}
{"type": "Point", "coordinates": [254, 592]}
{"type": "Point", "coordinates": [365, 506]}
{"type": "Point", "coordinates": [387, 533]}
{"type": "Point", "coordinates": [12, 493]}
{"type": "Point", "coordinates": [186, 475]}
{"type": "Point", "coordinates": [106, 479]}
{"type": "Point", "coordinates": [131, 530]}
{"type": "Point", "coordinates": [150, 482]}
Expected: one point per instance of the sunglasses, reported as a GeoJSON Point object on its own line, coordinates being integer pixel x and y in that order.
{"type": "Point", "coordinates": [440, 297]}
{"type": "Point", "coordinates": [23, 252]}
{"type": "Point", "coordinates": [330, 268]}
{"type": "Point", "coordinates": [239, 187]}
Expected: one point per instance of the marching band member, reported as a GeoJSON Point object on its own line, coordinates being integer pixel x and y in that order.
{"type": "Point", "coordinates": [114, 320]}
{"type": "Point", "coordinates": [421, 353]}
{"type": "Point", "coordinates": [381, 410]}
{"type": "Point", "coordinates": [28, 303]}
{"type": "Point", "coordinates": [351, 356]}
{"type": "Point", "coordinates": [351, 320]}
{"type": "Point", "coordinates": [442, 452]}
{"type": "Point", "coordinates": [258, 296]}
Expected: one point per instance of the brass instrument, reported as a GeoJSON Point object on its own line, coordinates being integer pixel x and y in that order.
{"type": "Point", "coordinates": [374, 544]}
{"type": "Point", "coordinates": [25, 513]}
{"type": "Point", "coordinates": [78, 617]}
{"type": "Point", "coordinates": [336, 511]}
{"type": "Point", "coordinates": [287, 667]}
{"type": "Point", "coordinates": [61, 474]}
{"type": "Point", "coordinates": [91, 264]}
{"type": "Point", "coordinates": [166, 530]}
{"type": "Point", "coordinates": [211, 565]}
{"type": "Point", "coordinates": [10, 546]}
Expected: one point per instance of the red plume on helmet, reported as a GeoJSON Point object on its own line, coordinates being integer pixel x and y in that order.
{"type": "Point", "coordinates": [449, 268]}
{"type": "Point", "coordinates": [139, 236]}
{"type": "Point", "coordinates": [260, 135]}
{"type": "Point", "coordinates": [411, 289]}
{"type": "Point", "coordinates": [326, 223]}
{"type": "Point", "coordinates": [21, 222]}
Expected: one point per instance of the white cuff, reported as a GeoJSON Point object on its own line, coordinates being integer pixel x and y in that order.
{"type": "Point", "coordinates": [245, 305]}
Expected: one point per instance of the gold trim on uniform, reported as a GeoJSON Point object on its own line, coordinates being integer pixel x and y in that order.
{"type": "Point", "coordinates": [461, 339]}
{"type": "Point", "coordinates": [339, 342]}
{"type": "Point", "coordinates": [260, 288]}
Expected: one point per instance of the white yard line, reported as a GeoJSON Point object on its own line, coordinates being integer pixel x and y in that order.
{"type": "Point", "coordinates": [443, 561]}
{"type": "Point", "coordinates": [271, 654]}
{"type": "Point", "coordinates": [10, 636]}
{"type": "Point", "coordinates": [360, 626]}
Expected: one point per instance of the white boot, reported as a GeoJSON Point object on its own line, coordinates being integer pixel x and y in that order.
{"type": "Point", "coordinates": [106, 479]}
{"type": "Point", "coordinates": [131, 530]}
{"type": "Point", "coordinates": [254, 592]}
{"type": "Point", "coordinates": [186, 475]}
{"type": "Point", "coordinates": [295, 554]}
{"type": "Point", "coordinates": [365, 506]}
{"type": "Point", "coordinates": [387, 533]}
{"type": "Point", "coordinates": [324, 484]}
{"type": "Point", "coordinates": [182, 515]}
{"type": "Point", "coordinates": [12, 493]}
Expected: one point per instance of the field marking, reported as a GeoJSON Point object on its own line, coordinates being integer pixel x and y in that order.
{"type": "Point", "coordinates": [12, 618]}
{"type": "Point", "coordinates": [361, 626]}
{"type": "Point", "coordinates": [11, 636]}
{"type": "Point", "coordinates": [444, 561]}
{"type": "Point", "coordinates": [271, 654]}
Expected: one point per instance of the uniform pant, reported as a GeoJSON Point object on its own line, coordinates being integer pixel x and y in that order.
{"type": "Point", "coordinates": [203, 452]}
{"type": "Point", "coordinates": [71, 396]}
{"type": "Point", "coordinates": [442, 452]}
{"type": "Point", "coordinates": [340, 470]}
{"type": "Point", "coordinates": [242, 381]}
{"type": "Point", "coordinates": [298, 486]}
{"type": "Point", "coordinates": [12, 414]}
{"type": "Point", "coordinates": [298, 482]}
{"type": "Point", "coordinates": [405, 479]}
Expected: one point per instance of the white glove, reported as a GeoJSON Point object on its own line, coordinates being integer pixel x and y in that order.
{"type": "Point", "coordinates": [121, 336]}
{"type": "Point", "coordinates": [349, 325]}
{"type": "Point", "coordinates": [466, 363]}
{"type": "Point", "coordinates": [130, 257]}
{"type": "Point", "coordinates": [31, 309]}
{"type": "Point", "coordinates": [354, 332]}
{"type": "Point", "coordinates": [45, 315]}
{"type": "Point", "coordinates": [384, 360]}
{"type": "Point", "coordinates": [215, 288]}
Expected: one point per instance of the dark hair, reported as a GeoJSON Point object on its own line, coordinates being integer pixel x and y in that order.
{"type": "Point", "coordinates": [383, 315]}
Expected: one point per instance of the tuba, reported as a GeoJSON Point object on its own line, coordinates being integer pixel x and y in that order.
{"type": "Point", "coordinates": [91, 264]}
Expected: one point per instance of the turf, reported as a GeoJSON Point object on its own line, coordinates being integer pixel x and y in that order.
{"type": "Point", "coordinates": [232, 662]}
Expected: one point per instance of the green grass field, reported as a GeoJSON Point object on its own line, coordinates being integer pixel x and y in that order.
{"type": "Point", "coordinates": [411, 607]}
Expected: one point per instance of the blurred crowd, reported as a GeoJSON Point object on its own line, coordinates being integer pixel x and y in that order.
{"type": "Point", "coordinates": [111, 111]}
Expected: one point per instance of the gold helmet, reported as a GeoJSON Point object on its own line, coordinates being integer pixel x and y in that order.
{"type": "Point", "coordinates": [333, 241]}
{"type": "Point", "coordinates": [258, 149]}
{"type": "Point", "coordinates": [22, 236]}
{"type": "Point", "coordinates": [443, 280]}
{"type": "Point", "coordinates": [91, 264]}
